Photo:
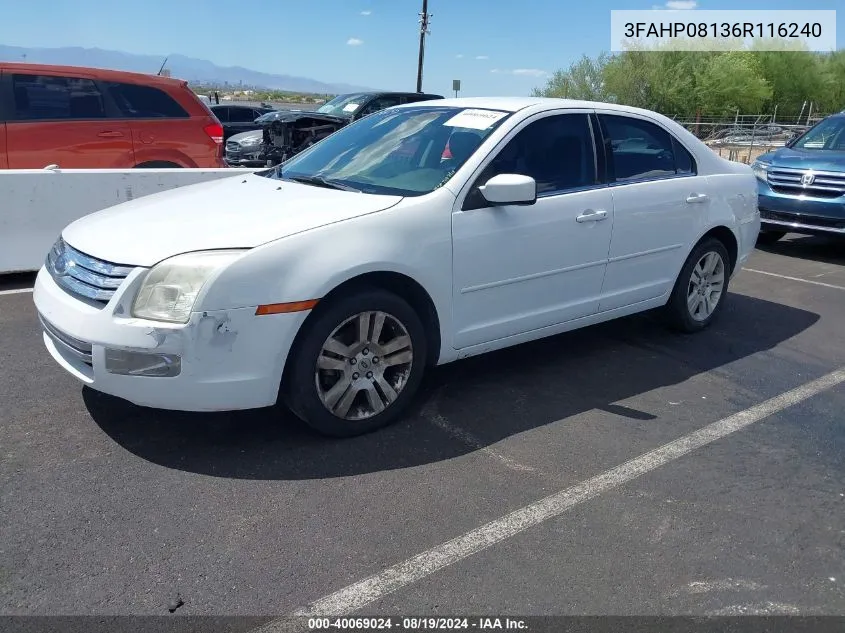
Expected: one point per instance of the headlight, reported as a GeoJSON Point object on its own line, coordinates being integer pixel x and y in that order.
{"type": "Point", "coordinates": [251, 140]}
{"type": "Point", "coordinates": [170, 289]}
{"type": "Point", "coordinates": [760, 170]}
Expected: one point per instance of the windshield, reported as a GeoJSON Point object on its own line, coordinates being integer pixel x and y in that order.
{"type": "Point", "coordinates": [405, 152]}
{"type": "Point", "coordinates": [344, 105]}
{"type": "Point", "coordinates": [826, 135]}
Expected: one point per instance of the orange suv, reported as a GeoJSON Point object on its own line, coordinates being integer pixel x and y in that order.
{"type": "Point", "coordinates": [87, 118]}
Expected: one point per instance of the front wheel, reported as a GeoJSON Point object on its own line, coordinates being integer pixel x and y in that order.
{"type": "Point", "coordinates": [701, 288]}
{"type": "Point", "coordinates": [358, 365]}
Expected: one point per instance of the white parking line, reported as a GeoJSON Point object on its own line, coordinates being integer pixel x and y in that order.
{"type": "Point", "coordinates": [806, 281]}
{"type": "Point", "coordinates": [15, 291]}
{"type": "Point", "coordinates": [366, 591]}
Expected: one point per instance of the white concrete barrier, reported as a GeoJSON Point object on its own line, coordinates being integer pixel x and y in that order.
{"type": "Point", "coordinates": [36, 204]}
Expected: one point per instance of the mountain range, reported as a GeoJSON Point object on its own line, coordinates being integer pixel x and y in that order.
{"type": "Point", "coordinates": [187, 68]}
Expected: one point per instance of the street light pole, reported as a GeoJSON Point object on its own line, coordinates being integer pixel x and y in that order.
{"type": "Point", "coordinates": [424, 17]}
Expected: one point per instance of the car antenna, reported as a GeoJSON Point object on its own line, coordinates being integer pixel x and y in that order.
{"type": "Point", "coordinates": [160, 70]}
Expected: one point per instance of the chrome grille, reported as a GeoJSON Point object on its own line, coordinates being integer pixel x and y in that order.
{"type": "Point", "coordinates": [231, 146]}
{"type": "Point", "coordinates": [822, 184]}
{"type": "Point", "coordinates": [73, 346]}
{"type": "Point", "coordinates": [83, 275]}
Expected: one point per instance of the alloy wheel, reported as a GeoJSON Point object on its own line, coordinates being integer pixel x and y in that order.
{"type": "Point", "coordinates": [363, 365]}
{"type": "Point", "coordinates": [706, 284]}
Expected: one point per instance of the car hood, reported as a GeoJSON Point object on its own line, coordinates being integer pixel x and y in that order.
{"type": "Point", "coordinates": [295, 115]}
{"type": "Point", "coordinates": [238, 138]}
{"type": "Point", "coordinates": [237, 212]}
{"type": "Point", "coordinates": [818, 160]}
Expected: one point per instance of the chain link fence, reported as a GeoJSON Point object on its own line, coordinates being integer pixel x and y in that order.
{"type": "Point", "coordinates": [743, 138]}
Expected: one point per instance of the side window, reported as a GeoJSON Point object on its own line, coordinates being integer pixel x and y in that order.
{"type": "Point", "coordinates": [145, 102]}
{"type": "Point", "coordinates": [44, 98]}
{"type": "Point", "coordinates": [684, 162]}
{"type": "Point", "coordinates": [242, 115]}
{"type": "Point", "coordinates": [379, 104]}
{"type": "Point", "coordinates": [221, 112]}
{"type": "Point", "coordinates": [556, 151]}
{"type": "Point", "coordinates": [637, 149]}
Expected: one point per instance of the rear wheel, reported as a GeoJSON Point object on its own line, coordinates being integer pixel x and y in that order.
{"type": "Point", "coordinates": [358, 365]}
{"type": "Point", "coordinates": [158, 164]}
{"type": "Point", "coordinates": [769, 237]}
{"type": "Point", "coordinates": [701, 288]}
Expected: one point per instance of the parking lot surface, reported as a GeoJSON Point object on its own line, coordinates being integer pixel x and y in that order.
{"type": "Point", "coordinates": [109, 508]}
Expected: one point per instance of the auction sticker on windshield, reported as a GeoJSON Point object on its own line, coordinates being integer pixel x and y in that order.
{"type": "Point", "coordinates": [475, 119]}
{"type": "Point", "coordinates": [350, 107]}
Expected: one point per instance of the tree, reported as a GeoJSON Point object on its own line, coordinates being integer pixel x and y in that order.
{"type": "Point", "coordinates": [733, 81]}
{"type": "Point", "coordinates": [584, 79]}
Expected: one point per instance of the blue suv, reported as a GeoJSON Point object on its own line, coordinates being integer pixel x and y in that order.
{"type": "Point", "coordinates": [801, 187]}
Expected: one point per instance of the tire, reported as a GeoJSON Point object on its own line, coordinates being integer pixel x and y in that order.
{"type": "Point", "coordinates": [679, 315]}
{"type": "Point", "coordinates": [769, 237]}
{"type": "Point", "coordinates": [358, 364]}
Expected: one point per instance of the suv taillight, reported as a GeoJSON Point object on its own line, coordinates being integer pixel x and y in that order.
{"type": "Point", "coordinates": [215, 132]}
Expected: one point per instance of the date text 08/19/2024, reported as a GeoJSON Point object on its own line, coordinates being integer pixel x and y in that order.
{"type": "Point", "coordinates": [416, 624]}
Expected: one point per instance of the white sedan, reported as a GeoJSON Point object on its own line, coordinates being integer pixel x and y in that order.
{"type": "Point", "coordinates": [414, 237]}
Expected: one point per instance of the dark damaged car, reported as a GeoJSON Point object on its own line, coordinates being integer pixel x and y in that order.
{"type": "Point", "coordinates": [285, 133]}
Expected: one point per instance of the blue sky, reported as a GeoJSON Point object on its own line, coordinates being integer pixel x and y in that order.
{"type": "Point", "coordinates": [501, 47]}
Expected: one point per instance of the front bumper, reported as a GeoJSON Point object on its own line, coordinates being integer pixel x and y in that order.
{"type": "Point", "coordinates": [230, 359]}
{"type": "Point", "coordinates": [800, 214]}
{"type": "Point", "coordinates": [253, 156]}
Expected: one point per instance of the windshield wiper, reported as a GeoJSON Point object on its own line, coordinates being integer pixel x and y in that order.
{"type": "Point", "coordinates": [319, 181]}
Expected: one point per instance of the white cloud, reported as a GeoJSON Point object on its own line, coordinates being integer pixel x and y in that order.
{"type": "Point", "coordinates": [367, 12]}
{"type": "Point", "coordinates": [482, 57]}
{"type": "Point", "coordinates": [677, 5]}
{"type": "Point", "coordinates": [521, 72]}
{"type": "Point", "coordinates": [530, 72]}
{"type": "Point", "coordinates": [459, 56]}
{"type": "Point", "coordinates": [354, 41]}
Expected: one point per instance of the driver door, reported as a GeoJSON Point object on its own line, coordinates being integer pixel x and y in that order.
{"type": "Point", "coordinates": [520, 268]}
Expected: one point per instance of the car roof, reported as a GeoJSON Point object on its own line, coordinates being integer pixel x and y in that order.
{"type": "Point", "coordinates": [514, 104]}
{"type": "Point", "coordinates": [100, 73]}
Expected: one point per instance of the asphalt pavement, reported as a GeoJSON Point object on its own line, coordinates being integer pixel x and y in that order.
{"type": "Point", "coordinates": [620, 469]}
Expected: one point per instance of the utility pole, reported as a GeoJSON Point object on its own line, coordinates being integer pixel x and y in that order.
{"type": "Point", "coordinates": [424, 18]}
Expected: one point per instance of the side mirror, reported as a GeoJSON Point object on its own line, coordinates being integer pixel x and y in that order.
{"type": "Point", "coordinates": [507, 189]}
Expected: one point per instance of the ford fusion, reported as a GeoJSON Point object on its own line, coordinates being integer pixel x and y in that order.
{"type": "Point", "coordinates": [802, 186]}
{"type": "Point", "coordinates": [331, 282]}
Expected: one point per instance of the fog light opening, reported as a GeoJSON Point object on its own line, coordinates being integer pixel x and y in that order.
{"type": "Point", "coordinates": [128, 363]}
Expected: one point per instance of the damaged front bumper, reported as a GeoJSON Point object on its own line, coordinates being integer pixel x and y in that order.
{"type": "Point", "coordinates": [219, 360]}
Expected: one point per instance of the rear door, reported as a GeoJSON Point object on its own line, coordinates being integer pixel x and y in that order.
{"type": "Point", "coordinates": [659, 206]}
{"type": "Point", "coordinates": [63, 120]}
{"type": "Point", "coordinates": [162, 130]}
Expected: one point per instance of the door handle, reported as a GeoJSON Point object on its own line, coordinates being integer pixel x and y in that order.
{"type": "Point", "coordinates": [697, 197]}
{"type": "Point", "coordinates": [110, 134]}
{"type": "Point", "coordinates": [591, 215]}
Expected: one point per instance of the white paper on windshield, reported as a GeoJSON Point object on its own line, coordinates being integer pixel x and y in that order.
{"type": "Point", "coordinates": [475, 119]}
{"type": "Point", "coordinates": [350, 107]}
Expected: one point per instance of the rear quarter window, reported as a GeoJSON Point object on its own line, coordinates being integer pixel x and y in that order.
{"type": "Point", "coordinates": [145, 102]}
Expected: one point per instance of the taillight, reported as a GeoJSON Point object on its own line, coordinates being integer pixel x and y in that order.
{"type": "Point", "coordinates": [215, 132]}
